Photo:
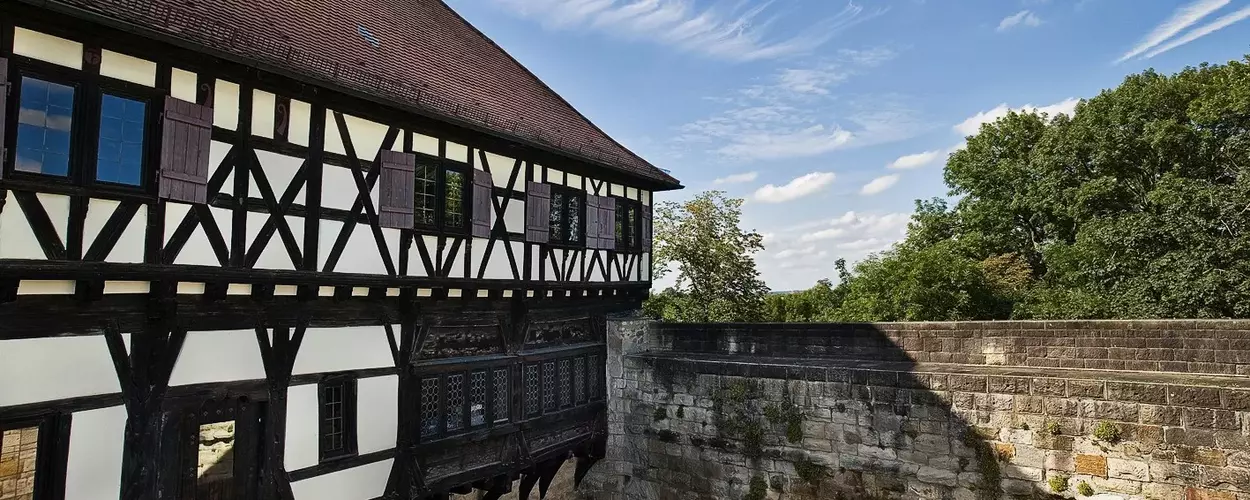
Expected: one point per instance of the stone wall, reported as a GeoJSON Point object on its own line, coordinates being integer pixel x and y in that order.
{"type": "Point", "coordinates": [1111, 409]}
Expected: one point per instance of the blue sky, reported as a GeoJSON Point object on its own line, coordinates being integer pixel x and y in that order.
{"type": "Point", "coordinates": [830, 118]}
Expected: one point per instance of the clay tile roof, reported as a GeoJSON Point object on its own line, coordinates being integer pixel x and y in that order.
{"type": "Point", "coordinates": [426, 57]}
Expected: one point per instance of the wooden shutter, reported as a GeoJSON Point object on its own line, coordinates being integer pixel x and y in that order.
{"type": "Point", "coordinates": [607, 213]}
{"type": "Point", "coordinates": [4, 101]}
{"type": "Point", "coordinates": [187, 133]}
{"type": "Point", "coordinates": [594, 223]}
{"type": "Point", "coordinates": [646, 228]}
{"type": "Point", "coordinates": [537, 212]}
{"type": "Point", "coordinates": [481, 204]}
{"type": "Point", "coordinates": [396, 190]}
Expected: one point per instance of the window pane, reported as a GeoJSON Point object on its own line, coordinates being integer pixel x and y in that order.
{"type": "Point", "coordinates": [429, 407]}
{"type": "Point", "coordinates": [19, 449]}
{"type": "Point", "coordinates": [45, 117]}
{"type": "Point", "coordinates": [621, 218]}
{"type": "Point", "coordinates": [427, 194]}
{"type": "Point", "coordinates": [501, 395]}
{"type": "Point", "coordinates": [332, 440]}
{"type": "Point", "coordinates": [120, 158]}
{"type": "Point", "coordinates": [631, 226]}
{"type": "Point", "coordinates": [455, 402]}
{"type": "Point", "coordinates": [557, 216]}
{"type": "Point", "coordinates": [454, 215]}
{"type": "Point", "coordinates": [477, 399]}
{"type": "Point", "coordinates": [574, 216]}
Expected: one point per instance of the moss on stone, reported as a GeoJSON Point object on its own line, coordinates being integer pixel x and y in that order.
{"type": "Point", "coordinates": [661, 413]}
{"type": "Point", "coordinates": [757, 490]}
{"type": "Point", "coordinates": [1058, 483]}
{"type": "Point", "coordinates": [1052, 428]}
{"type": "Point", "coordinates": [1085, 489]}
{"type": "Point", "coordinates": [668, 436]}
{"type": "Point", "coordinates": [681, 412]}
{"type": "Point", "coordinates": [810, 472]}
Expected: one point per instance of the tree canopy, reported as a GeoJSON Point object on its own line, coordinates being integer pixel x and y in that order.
{"type": "Point", "coordinates": [1137, 206]}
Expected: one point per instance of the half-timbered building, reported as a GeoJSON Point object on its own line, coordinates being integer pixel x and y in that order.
{"type": "Point", "coordinates": [254, 249]}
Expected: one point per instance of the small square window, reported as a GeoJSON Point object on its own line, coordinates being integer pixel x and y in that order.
{"type": "Point", "coordinates": [628, 225]}
{"type": "Point", "coordinates": [338, 418]}
{"type": "Point", "coordinates": [44, 124]}
{"type": "Point", "coordinates": [119, 159]}
{"type": "Point", "coordinates": [441, 195]}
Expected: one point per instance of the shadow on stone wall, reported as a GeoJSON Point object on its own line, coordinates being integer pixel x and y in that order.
{"type": "Point", "coordinates": [923, 411]}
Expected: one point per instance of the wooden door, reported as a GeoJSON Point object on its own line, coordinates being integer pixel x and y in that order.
{"type": "Point", "coordinates": [222, 453]}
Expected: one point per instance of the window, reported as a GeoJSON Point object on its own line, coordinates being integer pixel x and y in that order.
{"type": "Point", "coordinates": [477, 399]}
{"type": "Point", "coordinates": [429, 407]}
{"type": "Point", "coordinates": [44, 122]}
{"type": "Point", "coordinates": [501, 395]}
{"type": "Point", "coordinates": [119, 158]}
{"type": "Point", "coordinates": [566, 216]}
{"type": "Point", "coordinates": [338, 417]}
{"type": "Point", "coordinates": [441, 196]}
{"type": "Point", "coordinates": [455, 402]}
{"type": "Point", "coordinates": [628, 225]}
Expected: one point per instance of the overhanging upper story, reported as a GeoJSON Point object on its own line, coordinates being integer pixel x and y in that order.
{"type": "Point", "coordinates": [301, 148]}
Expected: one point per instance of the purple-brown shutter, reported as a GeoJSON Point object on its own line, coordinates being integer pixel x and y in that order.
{"type": "Point", "coordinates": [607, 213]}
{"type": "Point", "coordinates": [537, 212]}
{"type": "Point", "coordinates": [481, 204]}
{"type": "Point", "coordinates": [187, 134]}
{"type": "Point", "coordinates": [4, 101]}
{"type": "Point", "coordinates": [646, 228]}
{"type": "Point", "coordinates": [594, 224]}
{"type": "Point", "coordinates": [396, 190]}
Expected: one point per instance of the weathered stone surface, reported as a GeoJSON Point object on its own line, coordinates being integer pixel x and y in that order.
{"type": "Point", "coordinates": [1094, 465]}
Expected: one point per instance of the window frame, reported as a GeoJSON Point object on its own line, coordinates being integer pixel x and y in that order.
{"type": "Point", "coordinates": [440, 225]}
{"type": "Point", "coordinates": [89, 90]}
{"type": "Point", "coordinates": [51, 452]}
{"type": "Point", "coordinates": [568, 193]}
{"type": "Point", "coordinates": [632, 232]}
{"type": "Point", "coordinates": [347, 384]}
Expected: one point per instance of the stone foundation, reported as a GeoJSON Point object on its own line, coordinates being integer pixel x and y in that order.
{"type": "Point", "coordinates": [928, 411]}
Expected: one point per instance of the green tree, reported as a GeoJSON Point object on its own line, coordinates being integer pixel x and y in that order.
{"type": "Point", "coordinates": [702, 242]}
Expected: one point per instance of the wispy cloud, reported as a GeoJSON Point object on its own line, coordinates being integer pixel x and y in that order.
{"type": "Point", "coordinates": [908, 162]}
{"type": "Point", "coordinates": [799, 187]}
{"type": "Point", "coordinates": [1182, 18]}
{"type": "Point", "coordinates": [724, 30]}
{"type": "Point", "coordinates": [737, 178]}
{"type": "Point", "coordinates": [796, 256]}
{"type": "Point", "coordinates": [973, 124]}
{"type": "Point", "coordinates": [1199, 32]}
{"type": "Point", "coordinates": [879, 185]}
{"type": "Point", "coordinates": [1022, 18]}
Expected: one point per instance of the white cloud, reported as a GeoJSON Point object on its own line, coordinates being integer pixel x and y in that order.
{"type": "Point", "coordinates": [973, 124]}
{"type": "Point", "coordinates": [725, 30]}
{"type": "Point", "coordinates": [865, 244]}
{"type": "Point", "coordinates": [823, 234]}
{"type": "Point", "coordinates": [737, 178]}
{"type": "Point", "coordinates": [799, 255]}
{"type": "Point", "coordinates": [1022, 18]}
{"type": "Point", "coordinates": [1196, 33]}
{"type": "Point", "coordinates": [917, 160]}
{"type": "Point", "coordinates": [801, 186]}
{"type": "Point", "coordinates": [879, 184]}
{"type": "Point", "coordinates": [1182, 18]}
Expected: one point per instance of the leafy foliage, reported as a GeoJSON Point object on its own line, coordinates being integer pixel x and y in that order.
{"type": "Point", "coordinates": [713, 257]}
{"type": "Point", "coordinates": [1138, 206]}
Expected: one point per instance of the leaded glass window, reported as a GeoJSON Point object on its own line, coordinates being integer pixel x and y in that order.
{"type": "Point", "coordinates": [501, 395]}
{"type": "Point", "coordinates": [566, 398]}
{"type": "Point", "coordinates": [549, 386]}
{"type": "Point", "coordinates": [455, 402]}
{"type": "Point", "coordinates": [579, 380]}
{"type": "Point", "coordinates": [429, 407]}
{"type": "Point", "coordinates": [477, 399]}
{"type": "Point", "coordinates": [531, 390]}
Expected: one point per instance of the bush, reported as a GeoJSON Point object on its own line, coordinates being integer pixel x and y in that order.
{"type": "Point", "coordinates": [1108, 432]}
{"type": "Point", "coordinates": [1059, 483]}
{"type": "Point", "coordinates": [1085, 489]}
{"type": "Point", "coordinates": [757, 490]}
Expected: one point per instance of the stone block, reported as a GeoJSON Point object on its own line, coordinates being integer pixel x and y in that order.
{"type": "Point", "coordinates": [1157, 491]}
{"type": "Point", "coordinates": [1204, 397]}
{"type": "Point", "coordinates": [1192, 493]}
{"type": "Point", "coordinates": [967, 383]}
{"type": "Point", "coordinates": [1128, 469]}
{"type": "Point", "coordinates": [1086, 389]}
{"type": "Point", "coordinates": [934, 475]}
{"type": "Point", "coordinates": [1200, 456]}
{"type": "Point", "coordinates": [1029, 456]}
{"type": "Point", "coordinates": [1160, 415]}
{"type": "Point", "coordinates": [1049, 387]}
{"type": "Point", "coordinates": [932, 444]}
{"type": "Point", "coordinates": [1137, 393]}
{"type": "Point", "coordinates": [1060, 460]}
{"type": "Point", "coordinates": [1094, 465]}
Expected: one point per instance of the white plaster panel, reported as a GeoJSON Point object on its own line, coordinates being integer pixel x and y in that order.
{"type": "Point", "coordinates": [218, 356]}
{"type": "Point", "coordinates": [501, 168]}
{"type": "Point", "coordinates": [98, 213]}
{"type": "Point", "coordinates": [377, 413]}
{"type": "Point", "coordinates": [17, 240]}
{"type": "Point", "coordinates": [644, 264]}
{"type": "Point", "coordinates": [538, 262]}
{"type": "Point", "coordinates": [328, 233]}
{"type": "Point", "coordinates": [514, 216]}
{"type": "Point", "coordinates": [596, 274]}
{"type": "Point", "coordinates": [338, 188]}
{"type": "Point", "coordinates": [590, 187]}
{"type": "Point", "coordinates": [555, 176]}
{"type": "Point", "coordinates": [302, 427]}
{"type": "Point", "coordinates": [574, 181]}
{"type": "Point", "coordinates": [367, 136]}
{"type": "Point", "coordinates": [498, 266]}
{"type": "Point", "coordinates": [537, 173]}
{"type": "Point", "coordinates": [124, 287]}
{"type": "Point", "coordinates": [425, 144]}
{"type": "Point", "coordinates": [455, 260]}
{"type": "Point", "coordinates": [646, 197]}
{"type": "Point", "coordinates": [130, 246]}
{"type": "Point", "coordinates": [416, 267]}
{"type": "Point", "coordinates": [56, 368]}
{"type": "Point", "coordinates": [341, 349]}
{"type": "Point", "coordinates": [263, 104]}
{"type": "Point", "coordinates": [226, 105]}
{"type": "Point", "coordinates": [631, 193]}
{"type": "Point", "coordinates": [94, 468]}
{"type": "Point", "coordinates": [361, 253]}
{"type": "Point", "coordinates": [127, 68]}
{"type": "Point", "coordinates": [184, 85]}
{"type": "Point", "coordinates": [358, 483]}
{"type": "Point", "coordinates": [300, 123]}
{"type": "Point", "coordinates": [617, 190]}
{"type": "Point", "coordinates": [333, 142]}
{"type": "Point", "coordinates": [280, 170]}
{"type": "Point", "coordinates": [197, 251]}
{"type": "Point", "coordinates": [57, 207]}
{"type": "Point", "coordinates": [217, 152]}
{"type": "Point", "coordinates": [45, 287]}
{"type": "Point", "coordinates": [458, 152]}
{"type": "Point", "coordinates": [48, 48]}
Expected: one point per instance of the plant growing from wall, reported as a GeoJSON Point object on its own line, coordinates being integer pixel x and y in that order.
{"type": "Point", "coordinates": [1085, 489]}
{"type": "Point", "coordinates": [1059, 483]}
{"type": "Point", "coordinates": [987, 465]}
{"type": "Point", "coordinates": [1107, 432]}
{"type": "Point", "coordinates": [681, 412]}
{"type": "Point", "coordinates": [810, 472]}
{"type": "Point", "coordinates": [786, 414]}
{"type": "Point", "coordinates": [1053, 428]}
{"type": "Point", "coordinates": [661, 413]}
{"type": "Point", "coordinates": [735, 411]}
